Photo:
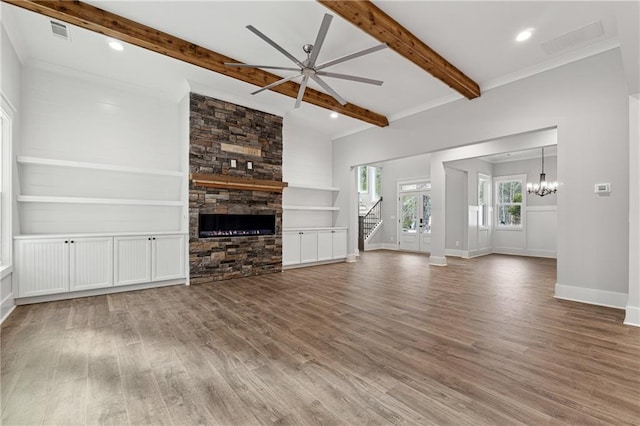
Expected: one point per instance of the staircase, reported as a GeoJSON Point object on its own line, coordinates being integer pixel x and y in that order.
{"type": "Point", "coordinates": [369, 222]}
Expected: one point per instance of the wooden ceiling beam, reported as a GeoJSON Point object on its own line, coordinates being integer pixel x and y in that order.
{"type": "Point", "coordinates": [112, 25]}
{"type": "Point", "coordinates": [369, 18]}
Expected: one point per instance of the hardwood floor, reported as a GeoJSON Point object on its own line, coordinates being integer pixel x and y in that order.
{"type": "Point", "coordinates": [388, 339]}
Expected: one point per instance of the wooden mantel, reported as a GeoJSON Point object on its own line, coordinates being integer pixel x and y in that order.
{"type": "Point", "coordinates": [233, 182]}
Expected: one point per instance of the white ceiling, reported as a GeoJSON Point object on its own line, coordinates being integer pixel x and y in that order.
{"type": "Point", "coordinates": [527, 154]}
{"type": "Point", "coordinates": [477, 37]}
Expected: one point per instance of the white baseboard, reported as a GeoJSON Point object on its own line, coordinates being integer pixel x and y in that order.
{"type": "Point", "coordinates": [380, 246]}
{"type": "Point", "coordinates": [8, 304]}
{"type": "Point", "coordinates": [456, 253]}
{"type": "Point", "coordinates": [322, 262]}
{"type": "Point", "coordinates": [480, 252]}
{"type": "Point", "coordinates": [437, 261]}
{"type": "Point", "coordinates": [591, 296]}
{"type": "Point", "coordinates": [525, 252]}
{"type": "Point", "coordinates": [633, 316]}
{"type": "Point", "coordinates": [96, 292]}
{"type": "Point", "coordinates": [352, 257]}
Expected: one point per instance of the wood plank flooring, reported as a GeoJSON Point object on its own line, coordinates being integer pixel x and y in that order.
{"type": "Point", "coordinates": [386, 340]}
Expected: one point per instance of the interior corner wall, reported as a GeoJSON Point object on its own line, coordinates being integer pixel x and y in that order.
{"type": "Point", "coordinates": [456, 208]}
{"type": "Point", "coordinates": [393, 171]}
{"type": "Point", "coordinates": [633, 304]}
{"type": "Point", "coordinates": [588, 103]}
{"type": "Point", "coordinates": [10, 73]}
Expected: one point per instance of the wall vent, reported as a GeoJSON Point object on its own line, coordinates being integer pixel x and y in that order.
{"type": "Point", "coordinates": [575, 38]}
{"type": "Point", "coordinates": [59, 30]}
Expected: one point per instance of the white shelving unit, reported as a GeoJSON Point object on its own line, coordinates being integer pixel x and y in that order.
{"type": "Point", "coordinates": [316, 208]}
{"type": "Point", "coordinates": [87, 200]}
{"type": "Point", "coordinates": [31, 161]}
{"type": "Point", "coordinates": [61, 196]}
{"type": "Point", "coordinates": [314, 188]}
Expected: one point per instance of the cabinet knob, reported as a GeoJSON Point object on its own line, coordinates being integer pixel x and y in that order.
{"type": "Point", "coordinates": [149, 238]}
{"type": "Point", "coordinates": [154, 238]}
{"type": "Point", "coordinates": [66, 242]}
{"type": "Point", "coordinates": [333, 232]}
{"type": "Point", "coordinates": [72, 241]}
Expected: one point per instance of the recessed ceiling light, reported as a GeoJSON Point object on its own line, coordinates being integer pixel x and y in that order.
{"type": "Point", "coordinates": [116, 45]}
{"type": "Point", "coordinates": [524, 35]}
{"type": "Point", "coordinates": [334, 115]}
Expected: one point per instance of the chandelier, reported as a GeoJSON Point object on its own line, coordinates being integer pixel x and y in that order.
{"type": "Point", "coordinates": [543, 187]}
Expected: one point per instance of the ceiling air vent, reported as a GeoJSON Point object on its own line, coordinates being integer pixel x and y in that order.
{"type": "Point", "coordinates": [575, 38]}
{"type": "Point", "coordinates": [60, 30]}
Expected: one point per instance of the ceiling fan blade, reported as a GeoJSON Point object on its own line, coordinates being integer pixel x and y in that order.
{"type": "Point", "coordinates": [350, 77]}
{"type": "Point", "coordinates": [322, 33]}
{"type": "Point", "coordinates": [275, 45]}
{"type": "Point", "coordinates": [277, 83]}
{"type": "Point", "coordinates": [328, 88]}
{"type": "Point", "coordinates": [303, 87]}
{"type": "Point", "coordinates": [352, 56]}
{"type": "Point", "coordinates": [267, 67]}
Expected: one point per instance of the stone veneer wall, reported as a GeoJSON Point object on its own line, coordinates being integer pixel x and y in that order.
{"type": "Point", "coordinates": [213, 122]}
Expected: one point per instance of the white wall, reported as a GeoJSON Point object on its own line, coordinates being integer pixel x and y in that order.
{"type": "Point", "coordinates": [306, 160]}
{"type": "Point", "coordinates": [587, 101]}
{"type": "Point", "coordinates": [456, 206]}
{"type": "Point", "coordinates": [633, 304]}
{"type": "Point", "coordinates": [539, 217]}
{"type": "Point", "coordinates": [10, 72]}
{"type": "Point", "coordinates": [78, 117]}
{"type": "Point", "coordinates": [393, 172]}
{"type": "Point", "coordinates": [478, 240]}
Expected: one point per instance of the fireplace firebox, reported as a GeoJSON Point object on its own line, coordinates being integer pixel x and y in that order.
{"type": "Point", "coordinates": [236, 225]}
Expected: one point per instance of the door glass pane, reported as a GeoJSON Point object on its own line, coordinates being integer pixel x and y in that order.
{"type": "Point", "coordinates": [426, 213]}
{"type": "Point", "coordinates": [409, 213]}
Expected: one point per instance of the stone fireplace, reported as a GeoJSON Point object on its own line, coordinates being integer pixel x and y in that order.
{"type": "Point", "coordinates": [235, 161]}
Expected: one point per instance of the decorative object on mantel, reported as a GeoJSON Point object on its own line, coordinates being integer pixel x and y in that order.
{"type": "Point", "coordinates": [308, 69]}
{"type": "Point", "coordinates": [543, 187]}
{"type": "Point", "coordinates": [234, 182]}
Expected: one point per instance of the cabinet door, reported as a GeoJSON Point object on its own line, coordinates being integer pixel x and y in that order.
{"type": "Point", "coordinates": [168, 260]}
{"type": "Point", "coordinates": [340, 244]}
{"type": "Point", "coordinates": [290, 248]}
{"type": "Point", "coordinates": [132, 260]}
{"type": "Point", "coordinates": [42, 266]}
{"type": "Point", "coordinates": [309, 246]}
{"type": "Point", "coordinates": [90, 263]}
{"type": "Point", "coordinates": [325, 245]}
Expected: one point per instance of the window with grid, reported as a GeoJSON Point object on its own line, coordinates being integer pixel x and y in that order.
{"type": "Point", "coordinates": [509, 202]}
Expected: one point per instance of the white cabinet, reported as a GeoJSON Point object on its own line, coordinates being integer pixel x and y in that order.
{"type": "Point", "coordinates": [339, 244]}
{"type": "Point", "coordinates": [313, 245]}
{"type": "Point", "coordinates": [290, 248]}
{"type": "Point", "coordinates": [42, 266]}
{"type": "Point", "coordinates": [55, 265]}
{"type": "Point", "coordinates": [332, 244]}
{"type": "Point", "coordinates": [167, 257]}
{"type": "Point", "coordinates": [132, 260]}
{"type": "Point", "coordinates": [308, 246]}
{"type": "Point", "coordinates": [149, 258]}
{"type": "Point", "coordinates": [59, 265]}
{"type": "Point", "coordinates": [90, 263]}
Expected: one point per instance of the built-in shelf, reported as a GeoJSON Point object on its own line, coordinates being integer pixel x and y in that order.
{"type": "Point", "coordinates": [318, 208]}
{"type": "Point", "coordinates": [35, 161]}
{"type": "Point", "coordinates": [314, 188]}
{"type": "Point", "coordinates": [83, 200]}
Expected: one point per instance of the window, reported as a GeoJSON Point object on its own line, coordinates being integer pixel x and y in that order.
{"type": "Point", "coordinates": [484, 200]}
{"type": "Point", "coordinates": [419, 186]}
{"type": "Point", "coordinates": [377, 183]}
{"type": "Point", "coordinates": [509, 201]}
{"type": "Point", "coordinates": [363, 179]}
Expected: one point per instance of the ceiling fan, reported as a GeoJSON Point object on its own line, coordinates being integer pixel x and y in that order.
{"type": "Point", "coordinates": [307, 69]}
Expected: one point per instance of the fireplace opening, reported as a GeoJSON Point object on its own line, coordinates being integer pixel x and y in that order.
{"type": "Point", "coordinates": [234, 225]}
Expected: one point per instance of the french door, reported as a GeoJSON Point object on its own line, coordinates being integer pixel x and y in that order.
{"type": "Point", "coordinates": [414, 226]}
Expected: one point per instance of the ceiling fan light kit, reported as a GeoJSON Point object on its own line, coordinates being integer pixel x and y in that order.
{"type": "Point", "coordinates": [307, 69]}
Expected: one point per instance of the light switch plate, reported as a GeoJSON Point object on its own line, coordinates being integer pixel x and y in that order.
{"type": "Point", "coordinates": [602, 188]}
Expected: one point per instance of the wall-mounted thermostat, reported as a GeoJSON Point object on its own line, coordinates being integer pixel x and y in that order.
{"type": "Point", "coordinates": [602, 188]}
